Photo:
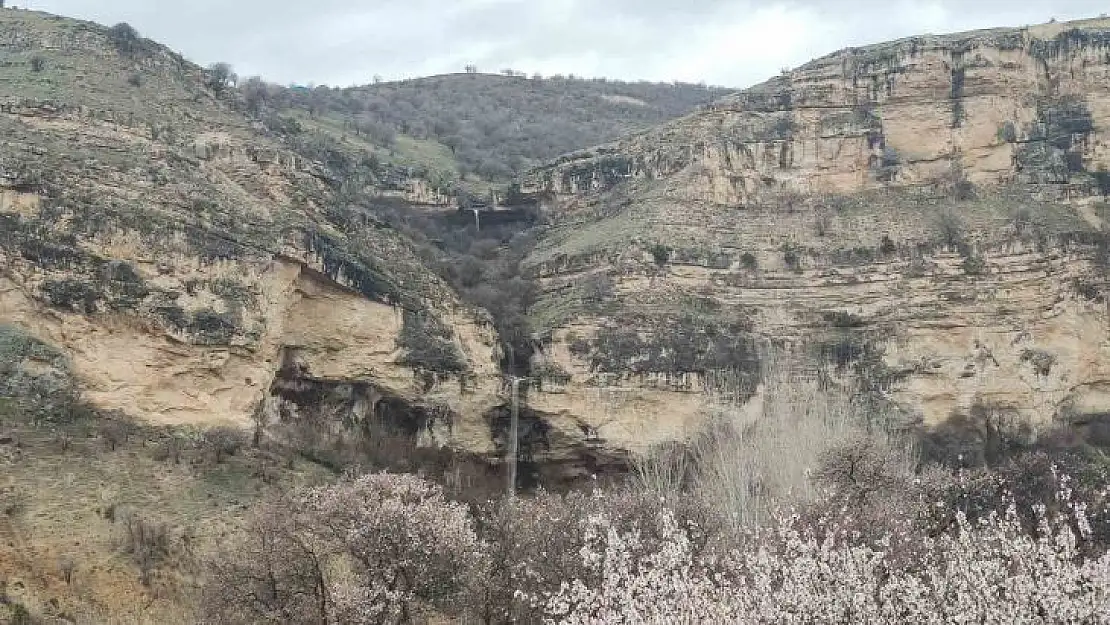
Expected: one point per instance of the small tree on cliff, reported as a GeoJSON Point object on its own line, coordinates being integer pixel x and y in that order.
{"type": "Point", "coordinates": [220, 76]}
{"type": "Point", "coordinates": [125, 38]}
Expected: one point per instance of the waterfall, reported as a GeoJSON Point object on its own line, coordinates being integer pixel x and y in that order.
{"type": "Point", "coordinates": [477, 220]}
{"type": "Point", "coordinates": [514, 433]}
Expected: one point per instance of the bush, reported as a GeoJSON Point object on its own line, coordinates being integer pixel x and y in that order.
{"type": "Point", "coordinates": [147, 542]}
{"type": "Point", "coordinates": [223, 442]}
{"type": "Point", "coordinates": [1007, 132]}
{"type": "Point", "coordinates": [38, 64]}
{"type": "Point", "coordinates": [49, 396]}
{"type": "Point", "coordinates": [429, 344]}
{"type": "Point", "coordinates": [974, 265]}
{"type": "Point", "coordinates": [748, 261]}
{"type": "Point", "coordinates": [551, 372]}
{"type": "Point", "coordinates": [660, 253]}
{"type": "Point", "coordinates": [950, 230]}
{"type": "Point", "coordinates": [125, 38]}
{"type": "Point", "coordinates": [135, 80]}
{"type": "Point", "coordinates": [13, 500]}
{"type": "Point", "coordinates": [1041, 360]}
{"type": "Point", "coordinates": [113, 432]}
{"type": "Point", "coordinates": [73, 295]}
{"type": "Point", "coordinates": [220, 77]}
{"type": "Point", "coordinates": [792, 259]}
{"type": "Point", "coordinates": [20, 615]}
{"type": "Point", "coordinates": [887, 246]}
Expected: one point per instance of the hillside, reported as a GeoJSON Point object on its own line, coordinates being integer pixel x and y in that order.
{"type": "Point", "coordinates": [925, 218]}
{"type": "Point", "coordinates": [168, 264]}
{"type": "Point", "coordinates": [212, 293]}
{"type": "Point", "coordinates": [480, 126]}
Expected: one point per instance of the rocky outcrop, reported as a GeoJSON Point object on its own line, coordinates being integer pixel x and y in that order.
{"type": "Point", "coordinates": [186, 261]}
{"type": "Point", "coordinates": [996, 106]}
{"type": "Point", "coordinates": [924, 217]}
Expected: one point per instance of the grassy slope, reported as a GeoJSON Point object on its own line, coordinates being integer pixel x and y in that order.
{"type": "Point", "coordinates": [64, 496]}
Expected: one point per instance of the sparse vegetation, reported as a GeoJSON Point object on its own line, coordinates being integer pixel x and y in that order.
{"type": "Point", "coordinates": [429, 344]}
{"type": "Point", "coordinates": [1041, 360]}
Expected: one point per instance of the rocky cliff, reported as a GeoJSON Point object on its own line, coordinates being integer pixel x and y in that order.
{"type": "Point", "coordinates": [192, 264]}
{"type": "Point", "coordinates": [925, 217]}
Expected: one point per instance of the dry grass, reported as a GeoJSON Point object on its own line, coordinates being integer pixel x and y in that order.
{"type": "Point", "coordinates": [81, 502]}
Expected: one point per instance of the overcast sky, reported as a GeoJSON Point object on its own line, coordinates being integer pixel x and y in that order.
{"type": "Point", "coordinates": [734, 43]}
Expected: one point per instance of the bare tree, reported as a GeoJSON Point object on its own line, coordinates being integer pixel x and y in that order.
{"type": "Point", "coordinates": [273, 574]}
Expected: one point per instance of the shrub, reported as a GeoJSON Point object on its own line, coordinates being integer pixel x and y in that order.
{"type": "Point", "coordinates": [792, 259]}
{"type": "Point", "coordinates": [223, 442]}
{"type": "Point", "coordinates": [597, 289]}
{"type": "Point", "coordinates": [135, 80]}
{"type": "Point", "coordinates": [113, 432]}
{"type": "Point", "coordinates": [552, 372]}
{"type": "Point", "coordinates": [125, 38]}
{"type": "Point", "coordinates": [219, 77]}
{"type": "Point", "coordinates": [887, 246]}
{"type": "Point", "coordinates": [147, 542]}
{"type": "Point", "coordinates": [45, 396]}
{"type": "Point", "coordinates": [1041, 360]}
{"type": "Point", "coordinates": [66, 567]}
{"type": "Point", "coordinates": [974, 265]}
{"type": "Point", "coordinates": [843, 319]}
{"type": "Point", "coordinates": [38, 64]}
{"type": "Point", "coordinates": [13, 500]}
{"type": "Point", "coordinates": [72, 294]}
{"type": "Point", "coordinates": [429, 344]}
{"type": "Point", "coordinates": [20, 615]}
{"type": "Point", "coordinates": [660, 253]}
{"type": "Point", "coordinates": [950, 230]}
{"type": "Point", "coordinates": [748, 261]}
{"type": "Point", "coordinates": [1007, 132]}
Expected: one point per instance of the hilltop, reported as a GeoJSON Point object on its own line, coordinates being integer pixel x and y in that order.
{"type": "Point", "coordinates": [487, 126]}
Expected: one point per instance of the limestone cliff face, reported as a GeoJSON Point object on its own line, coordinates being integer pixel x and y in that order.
{"type": "Point", "coordinates": [998, 105]}
{"type": "Point", "coordinates": [924, 216]}
{"type": "Point", "coordinates": [182, 257]}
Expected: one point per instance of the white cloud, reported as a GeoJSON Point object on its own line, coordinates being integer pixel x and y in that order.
{"type": "Point", "coordinates": [727, 42]}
